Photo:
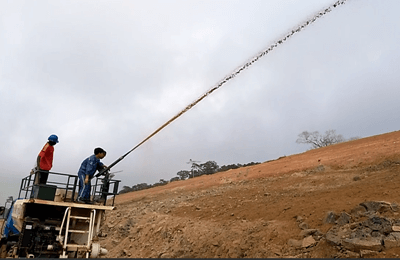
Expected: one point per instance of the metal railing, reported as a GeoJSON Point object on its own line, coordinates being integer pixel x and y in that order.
{"type": "Point", "coordinates": [101, 189]}
{"type": "Point", "coordinates": [67, 182]}
{"type": "Point", "coordinates": [70, 184]}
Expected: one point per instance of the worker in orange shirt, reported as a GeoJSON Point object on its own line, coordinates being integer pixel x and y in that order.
{"type": "Point", "coordinates": [44, 161]}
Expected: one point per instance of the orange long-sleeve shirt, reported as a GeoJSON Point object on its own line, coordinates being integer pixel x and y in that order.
{"type": "Point", "coordinates": [46, 157]}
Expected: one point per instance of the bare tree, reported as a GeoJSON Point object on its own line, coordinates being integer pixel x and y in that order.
{"type": "Point", "coordinates": [317, 140]}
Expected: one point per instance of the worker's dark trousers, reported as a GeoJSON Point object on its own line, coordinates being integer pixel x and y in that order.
{"type": "Point", "coordinates": [41, 177]}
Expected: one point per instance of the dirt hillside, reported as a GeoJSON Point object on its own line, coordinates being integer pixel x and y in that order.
{"type": "Point", "coordinates": [339, 201]}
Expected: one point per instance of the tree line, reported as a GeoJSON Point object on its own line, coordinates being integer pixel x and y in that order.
{"type": "Point", "coordinates": [197, 170]}
{"type": "Point", "coordinates": [315, 139]}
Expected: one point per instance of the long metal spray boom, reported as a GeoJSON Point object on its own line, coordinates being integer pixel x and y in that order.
{"type": "Point", "coordinates": [232, 75]}
{"type": "Point", "coordinates": [158, 130]}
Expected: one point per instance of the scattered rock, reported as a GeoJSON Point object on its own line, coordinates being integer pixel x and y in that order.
{"type": "Point", "coordinates": [356, 244]}
{"type": "Point", "coordinates": [391, 241]}
{"type": "Point", "coordinates": [343, 219]}
{"type": "Point", "coordinates": [394, 207]}
{"type": "Point", "coordinates": [351, 254]}
{"type": "Point", "coordinates": [303, 225]}
{"type": "Point", "coordinates": [332, 236]}
{"type": "Point", "coordinates": [367, 253]}
{"type": "Point", "coordinates": [299, 219]}
{"type": "Point", "coordinates": [358, 211]}
{"type": "Point", "coordinates": [295, 243]}
{"type": "Point", "coordinates": [308, 241]}
{"type": "Point", "coordinates": [353, 225]}
{"type": "Point", "coordinates": [215, 243]}
{"type": "Point", "coordinates": [376, 206]}
{"type": "Point", "coordinates": [396, 228]}
{"type": "Point", "coordinates": [102, 234]}
{"type": "Point", "coordinates": [373, 234]}
{"type": "Point", "coordinates": [307, 232]}
{"type": "Point", "coordinates": [382, 225]}
{"type": "Point", "coordinates": [331, 217]}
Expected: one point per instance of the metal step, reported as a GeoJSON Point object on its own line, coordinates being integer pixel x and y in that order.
{"type": "Point", "coordinates": [79, 217]}
{"type": "Point", "coordinates": [78, 231]}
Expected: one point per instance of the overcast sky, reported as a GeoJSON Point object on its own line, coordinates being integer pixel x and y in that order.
{"type": "Point", "coordinates": [109, 73]}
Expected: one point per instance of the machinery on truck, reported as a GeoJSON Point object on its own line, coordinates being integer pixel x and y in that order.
{"type": "Point", "coordinates": [46, 221]}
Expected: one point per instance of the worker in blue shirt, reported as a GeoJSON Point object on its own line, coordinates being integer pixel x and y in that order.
{"type": "Point", "coordinates": [86, 172]}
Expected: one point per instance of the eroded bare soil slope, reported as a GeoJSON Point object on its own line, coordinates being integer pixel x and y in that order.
{"type": "Point", "coordinates": [337, 201]}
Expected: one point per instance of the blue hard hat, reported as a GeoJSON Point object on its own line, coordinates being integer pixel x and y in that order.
{"type": "Point", "coordinates": [53, 138]}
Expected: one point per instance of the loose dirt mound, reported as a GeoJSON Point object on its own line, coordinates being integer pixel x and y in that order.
{"type": "Point", "coordinates": [303, 205]}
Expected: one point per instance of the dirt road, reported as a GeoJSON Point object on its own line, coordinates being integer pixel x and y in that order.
{"type": "Point", "coordinates": [279, 208]}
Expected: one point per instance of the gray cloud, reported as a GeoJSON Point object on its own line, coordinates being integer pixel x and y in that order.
{"type": "Point", "coordinates": [109, 74]}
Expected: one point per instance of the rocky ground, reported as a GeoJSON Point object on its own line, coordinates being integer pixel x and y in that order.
{"type": "Point", "coordinates": [339, 201]}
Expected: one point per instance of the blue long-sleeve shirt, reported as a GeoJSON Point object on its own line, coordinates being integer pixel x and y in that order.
{"type": "Point", "coordinates": [89, 166]}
